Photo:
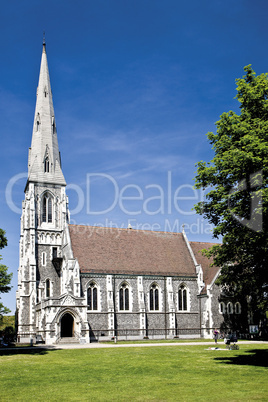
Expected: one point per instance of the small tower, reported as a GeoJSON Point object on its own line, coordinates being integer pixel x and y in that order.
{"type": "Point", "coordinates": [43, 221]}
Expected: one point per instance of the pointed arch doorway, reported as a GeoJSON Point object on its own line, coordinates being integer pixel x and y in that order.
{"type": "Point", "coordinates": [67, 326]}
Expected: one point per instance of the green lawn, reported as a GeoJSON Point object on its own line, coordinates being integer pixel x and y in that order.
{"type": "Point", "coordinates": [150, 340]}
{"type": "Point", "coordinates": [166, 373]}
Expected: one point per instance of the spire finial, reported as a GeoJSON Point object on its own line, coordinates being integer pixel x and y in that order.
{"type": "Point", "coordinates": [44, 42]}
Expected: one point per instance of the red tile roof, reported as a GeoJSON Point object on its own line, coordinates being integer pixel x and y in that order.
{"type": "Point", "coordinates": [209, 272]}
{"type": "Point", "coordinates": [130, 251]}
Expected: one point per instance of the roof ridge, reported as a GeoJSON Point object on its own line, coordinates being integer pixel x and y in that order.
{"type": "Point", "coordinates": [126, 229]}
{"type": "Point", "coordinates": [203, 242]}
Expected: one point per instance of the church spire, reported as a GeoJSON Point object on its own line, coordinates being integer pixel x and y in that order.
{"type": "Point", "coordinates": [44, 165]}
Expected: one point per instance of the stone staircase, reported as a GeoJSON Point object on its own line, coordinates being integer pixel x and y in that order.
{"type": "Point", "coordinates": [67, 340]}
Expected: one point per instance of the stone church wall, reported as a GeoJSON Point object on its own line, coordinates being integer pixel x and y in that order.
{"type": "Point", "coordinates": [127, 322]}
{"type": "Point", "coordinates": [48, 270]}
{"type": "Point", "coordinates": [218, 318]}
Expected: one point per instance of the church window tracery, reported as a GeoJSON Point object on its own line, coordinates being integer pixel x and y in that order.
{"type": "Point", "coordinates": [154, 297]}
{"type": "Point", "coordinates": [47, 209]}
{"type": "Point", "coordinates": [92, 296]}
{"type": "Point", "coordinates": [124, 297]}
{"type": "Point", "coordinates": [182, 298]}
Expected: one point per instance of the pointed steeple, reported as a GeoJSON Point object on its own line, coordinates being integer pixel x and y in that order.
{"type": "Point", "coordinates": [44, 164]}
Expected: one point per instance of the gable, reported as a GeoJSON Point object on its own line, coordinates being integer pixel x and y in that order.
{"type": "Point", "coordinates": [209, 272]}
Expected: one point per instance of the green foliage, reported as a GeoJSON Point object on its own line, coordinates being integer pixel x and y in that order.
{"type": "Point", "coordinates": [7, 321]}
{"type": "Point", "coordinates": [237, 200]}
{"type": "Point", "coordinates": [5, 278]}
{"type": "Point", "coordinates": [3, 239]}
{"type": "Point", "coordinates": [166, 373]}
{"type": "Point", "coordinates": [9, 334]}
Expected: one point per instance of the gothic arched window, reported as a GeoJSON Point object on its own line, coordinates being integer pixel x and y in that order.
{"type": "Point", "coordinates": [47, 209]}
{"type": "Point", "coordinates": [154, 298]}
{"type": "Point", "coordinates": [182, 298]}
{"type": "Point", "coordinates": [222, 307]}
{"type": "Point", "coordinates": [92, 296]}
{"type": "Point", "coordinates": [124, 297]}
{"type": "Point", "coordinates": [230, 309]}
{"type": "Point", "coordinates": [46, 165]}
{"type": "Point", "coordinates": [237, 308]}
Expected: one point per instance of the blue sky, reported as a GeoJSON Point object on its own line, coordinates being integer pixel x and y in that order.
{"type": "Point", "coordinates": [136, 87]}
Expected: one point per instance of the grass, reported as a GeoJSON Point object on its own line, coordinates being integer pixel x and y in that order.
{"type": "Point", "coordinates": [166, 373]}
{"type": "Point", "coordinates": [176, 340]}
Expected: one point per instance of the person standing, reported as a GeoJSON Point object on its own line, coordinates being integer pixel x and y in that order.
{"type": "Point", "coordinates": [216, 335]}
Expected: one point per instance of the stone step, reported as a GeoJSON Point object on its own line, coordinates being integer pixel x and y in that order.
{"type": "Point", "coordinates": [67, 340]}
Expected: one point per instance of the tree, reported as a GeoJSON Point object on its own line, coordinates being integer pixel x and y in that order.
{"type": "Point", "coordinates": [5, 278]}
{"type": "Point", "coordinates": [237, 199]}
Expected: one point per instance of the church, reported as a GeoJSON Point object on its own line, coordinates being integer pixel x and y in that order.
{"type": "Point", "coordinates": [80, 283]}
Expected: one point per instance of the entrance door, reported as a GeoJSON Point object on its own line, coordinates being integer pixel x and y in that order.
{"type": "Point", "coordinates": [67, 326]}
